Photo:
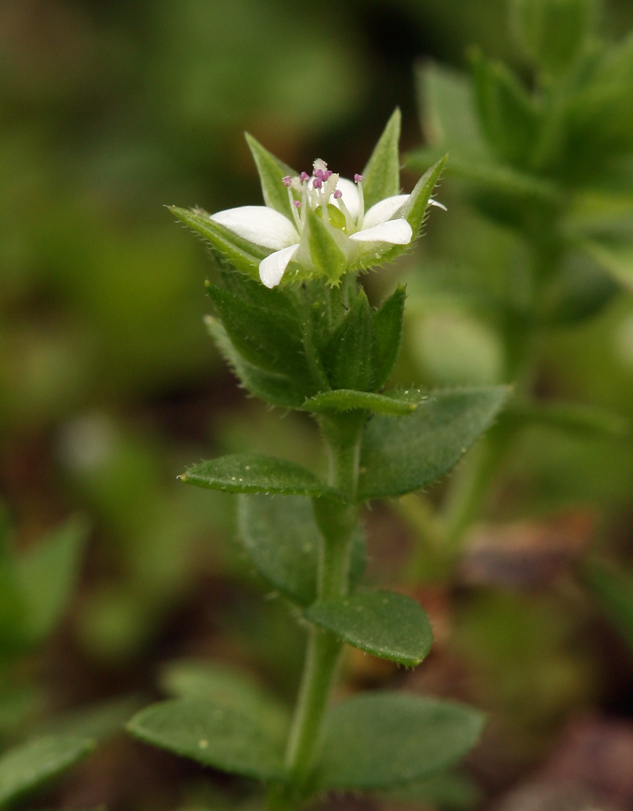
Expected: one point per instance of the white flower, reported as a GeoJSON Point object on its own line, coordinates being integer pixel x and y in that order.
{"type": "Point", "coordinates": [340, 203]}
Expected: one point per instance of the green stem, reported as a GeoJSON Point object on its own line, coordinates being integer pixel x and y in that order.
{"type": "Point", "coordinates": [337, 521]}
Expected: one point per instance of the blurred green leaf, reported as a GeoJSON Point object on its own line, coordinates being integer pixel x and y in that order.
{"type": "Point", "coordinates": [47, 574]}
{"type": "Point", "coordinates": [256, 473]}
{"type": "Point", "coordinates": [213, 735]}
{"type": "Point", "coordinates": [282, 539]}
{"type": "Point", "coordinates": [26, 767]}
{"type": "Point", "coordinates": [401, 454]}
{"type": "Point", "coordinates": [381, 175]}
{"type": "Point", "coordinates": [383, 623]}
{"type": "Point", "coordinates": [448, 790]}
{"type": "Point", "coordinates": [577, 418]}
{"type": "Point", "coordinates": [613, 589]}
{"type": "Point", "coordinates": [391, 402]}
{"type": "Point", "coordinates": [228, 687]}
{"type": "Point", "coordinates": [553, 32]}
{"type": "Point", "coordinates": [615, 257]}
{"type": "Point", "coordinates": [380, 740]}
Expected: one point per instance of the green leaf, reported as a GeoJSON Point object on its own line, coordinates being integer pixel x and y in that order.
{"type": "Point", "coordinates": [323, 246]}
{"type": "Point", "coordinates": [257, 473]}
{"type": "Point", "coordinates": [506, 110]}
{"type": "Point", "coordinates": [381, 175]}
{"type": "Point", "coordinates": [383, 623]}
{"type": "Point", "coordinates": [578, 418]}
{"type": "Point", "coordinates": [379, 740]}
{"type": "Point", "coordinates": [31, 764]}
{"type": "Point", "coordinates": [449, 116]}
{"type": "Point", "coordinates": [392, 402]}
{"type": "Point", "coordinates": [211, 734]}
{"type": "Point", "coordinates": [446, 790]}
{"type": "Point", "coordinates": [282, 539]}
{"type": "Point", "coordinates": [613, 590]}
{"type": "Point", "coordinates": [553, 32]}
{"type": "Point", "coordinates": [244, 255]}
{"type": "Point", "coordinates": [348, 354]}
{"type": "Point", "coordinates": [229, 687]}
{"type": "Point", "coordinates": [47, 574]}
{"type": "Point", "coordinates": [271, 171]}
{"type": "Point", "coordinates": [415, 207]}
{"type": "Point", "coordinates": [278, 389]}
{"type": "Point", "coordinates": [387, 322]}
{"type": "Point", "coordinates": [401, 454]}
{"type": "Point", "coordinates": [615, 257]}
{"type": "Point", "coordinates": [265, 338]}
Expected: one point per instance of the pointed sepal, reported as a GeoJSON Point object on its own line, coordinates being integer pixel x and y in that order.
{"type": "Point", "coordinates": [271, 173]}
{"type": "Point", "coordinates": [381, 175]}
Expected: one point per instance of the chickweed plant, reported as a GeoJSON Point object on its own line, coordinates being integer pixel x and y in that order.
{"type": "Point", "coordinates": [296, 326]}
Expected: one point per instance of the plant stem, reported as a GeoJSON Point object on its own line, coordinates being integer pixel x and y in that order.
{"type": "Point", "coordinates": [337, 521]}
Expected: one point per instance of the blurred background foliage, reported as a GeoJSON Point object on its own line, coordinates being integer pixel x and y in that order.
{"type": "Point", "coordinates": [109, 385]}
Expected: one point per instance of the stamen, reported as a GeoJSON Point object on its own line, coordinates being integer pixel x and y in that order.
{"type": "Point", "coordinates": [304, 177]}
{"type": "Point", "coordinates": [317, 183]}
{"type": "Point", "coordinates": [287, 181]}
{"type": "Point", "coordinates": [358, 178]}
{"type": "Point", "coordinates": [319, 165]}
{"type": "Point", "coordinates": [297, 203]}
{"type": "Point", "coordinates": [338, 194]}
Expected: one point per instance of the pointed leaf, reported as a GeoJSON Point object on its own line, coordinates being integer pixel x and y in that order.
{"type": "Point", "coordinates": [381, 175]}
{"type": "Point", "coordinates": [578, 418]}
{"type": "Point", "coordinates": [379, 740]}
{"type": "Point", "coordinates": [415, 207]}
{"type": "Point", "coordinates": [278, 389]}
{"type": "Point", "coordinates": [348, 355]}
{"type": "Point", "coordinates": [229, 687]}
{"type": "Point", "coordinates": [33, 763]}
{"type": "Point", "coordinates": [387, 337]}
{"type": "Point", "coordinates": [391, 402]}
{"type": "Point", "coordinates": [271, 171]}
{"type": "Point", "coordinates": [615, 257]}
{"type": "Point", "coordinates": [211, 734]}
{"type": "Point", "coordinates": [256, 473]}
{"type": "Point", "coordinates": [47, 574]}
{"type": "Point", "coordinates": [402, 454]}
{"type": "Point", "coordinates": [265, 338]}
{"type": "Point", "coordinates": [282, 539]}
{"type": "Point", "coordinates": [241, 253]}
{"type": "Point", "coordinates": [384, 623]}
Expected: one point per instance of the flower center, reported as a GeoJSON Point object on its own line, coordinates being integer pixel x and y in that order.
{"type": "Point", "coordinates": [316, 192]}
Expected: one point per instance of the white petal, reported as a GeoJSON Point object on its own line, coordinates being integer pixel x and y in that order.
{"type": "Point", "coordinates": [384, 210]}
{"type": "Point", "coordinates": [395, 232]}
{"type": "Point", "coordinates": [259, 224]}
{"type": "Point", "coordinates": [350, 196]}
{"type": "Point", "coordinates": [273, 267]}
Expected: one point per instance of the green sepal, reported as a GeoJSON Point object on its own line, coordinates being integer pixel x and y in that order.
{"type": "Point", "coordinates": [381, 175]}
{"type": "Point", "coordinates": [402, 454]}
{"type": "Point", "coordinates": [266, 338]}
{"type": "Point", "coordinates": [282, 540]}
{"type": "Point", "coordinates": [27, 766]}
{"type": "Point", "coordinates": [383, 623]}
{"type": "Point", "coordinates": [397, 402]}
{"type": "Point", "coordinates": [46, 574]}
{"type": "Point", "coordinates": [257, 473]}
{"type": "Point", "coordinates": [553, 32]}
{"type": "Point", "coordinates": [506, 111]}
{"type": "Point", "coordinates": [277, 389]}
{"type": "Point", "coordinates": [213, 735]}
{"type": "Point", "coordinates": [241, 253]}
{"type": "Point", "coordinates": [387, 322]}
{"type": "Point", "coordinates": [271, 172]}
{"type": "Point", "coordinates": [379, 740]}
{"type": "Point", "coordinates": [324, 247]}
{"type": "Point", "coordinates": [416, 206]}
{"type": "Point", "coordinates": [229, 687]}
{"type": "Point", "coordinates": [347, 357]}
{"type": "Point", "coordinates": [613, 590]}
